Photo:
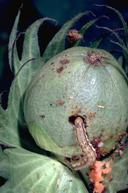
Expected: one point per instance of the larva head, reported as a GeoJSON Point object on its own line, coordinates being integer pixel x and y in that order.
{"type": "Point", "coordinates": [81, 82]}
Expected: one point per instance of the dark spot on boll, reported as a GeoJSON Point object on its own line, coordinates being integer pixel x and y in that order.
{"type": "Point", "coordinates": [60, 102]}
{"type": "Point", "coordinates": [64, 61]}
{"type": "Point", "coordinates": [72, 118]}
{"type": "Point", "coordinates": [42, 116]}
{"type": "Point", "coordinates": [60, 69]}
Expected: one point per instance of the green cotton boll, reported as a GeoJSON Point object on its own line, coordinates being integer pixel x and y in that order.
{"type": "Point", "coordinates": [79, 82]}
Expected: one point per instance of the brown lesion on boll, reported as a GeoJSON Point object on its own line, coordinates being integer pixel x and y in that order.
{"type": "Point", "coordinates": [60, 69]}
{"type": "Point", "coordinates": [94, 58]}
{"type": "Point", "coordinates": [91, 115]}
{"type": "Point", "coordinates": [60, 102]}
{"type": "Point", "coordinates": [62, 64]}
{"type": "Point", "coordinates": [51, 63]}
{"type": "Point", "coordinates": [64, 61]}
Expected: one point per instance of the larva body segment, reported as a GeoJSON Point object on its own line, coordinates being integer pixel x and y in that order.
{"type": "Point", "coordinates": [89, 154]}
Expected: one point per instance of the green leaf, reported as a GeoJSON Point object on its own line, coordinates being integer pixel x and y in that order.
{"type": "Point", "coordinates": [24, 70]}
{"type": "Point", "coordinates": [96, 43]}
{"type": "Point", "coordinates": [119, 174]}
{"type": "Point", "coordinates": [124, 23]}
{"type": "Point", "coordinates": [124, 48]}
{"type": "Point", "coordinates": [16, 61]}
{"type": "Point", "coordinates": [4, 169]}
{"type": "Point", "coordinates": [122, 43]}
{"type": "Point", "coordinates": [20, 84]}
{"type": "Point", "coordinates": [57, 44]}
{"type": "Point", "coordinates": [85, 28]}
{"type": "Point", "coordinates": [12, 119]}
{"type": "Point", "coordinates": [9, 134]}
{"type": "Point", "coordinates": [12, 40]}
{"type": "Point", "coordinates": [31, 46]}
{"type": "Point", "coordinates": [116, 180]}
{"type": "Point", "coordinates": [114, 33]}
{"type": "Point", "coordinates": [120, 60]}
{"type": "Point", "coordinates": [30, 173]}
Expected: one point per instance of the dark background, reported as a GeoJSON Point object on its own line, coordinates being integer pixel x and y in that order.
{"type": "Point", "coordinates": [58, 9]}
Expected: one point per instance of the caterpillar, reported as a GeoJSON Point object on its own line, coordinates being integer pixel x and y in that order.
{"type": "Point", "coordinates": [88, 156]}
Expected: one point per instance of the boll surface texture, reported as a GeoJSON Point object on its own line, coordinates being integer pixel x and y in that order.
{"type": "Point", "coordinates": [83, 82]}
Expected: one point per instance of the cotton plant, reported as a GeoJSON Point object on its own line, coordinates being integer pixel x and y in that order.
{"type": "Point", "coordinates": [72, 103]}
